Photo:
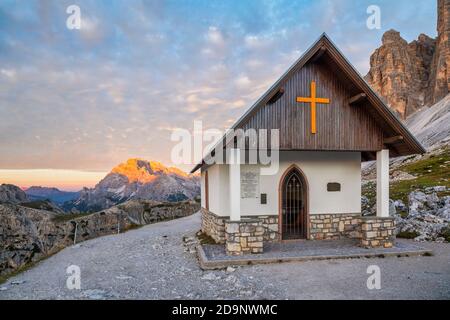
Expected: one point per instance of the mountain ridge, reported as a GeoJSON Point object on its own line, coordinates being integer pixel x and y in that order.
{"type": "Point", "coordinates": [51, 193]}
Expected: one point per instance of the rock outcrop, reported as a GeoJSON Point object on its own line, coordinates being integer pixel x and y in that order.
{"type": "Point", "coordinates": [428, 216]}
{"type": "Point", "coordinates": [137, 179]}
{"type": "Point", "coordinates": [28, 235]}
{"type": "Point", "coordinates": [412, 75]}
{"type": "Point", "coordinates": [10, 193]}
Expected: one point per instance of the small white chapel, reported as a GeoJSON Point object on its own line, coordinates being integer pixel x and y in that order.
{"type": "Point", "coordinates": [329, 121]}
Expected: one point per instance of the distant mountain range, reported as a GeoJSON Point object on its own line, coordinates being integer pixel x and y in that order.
{"type": "Point", "coordinates": [53, 194]}
{"type": "Point", "coordinates": [134, 179]}
{"type": "Point", "coordinates": [137, 179]}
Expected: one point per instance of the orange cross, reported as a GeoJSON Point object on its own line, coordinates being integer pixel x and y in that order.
{"type": "Point", "coordinates": [313, 100]}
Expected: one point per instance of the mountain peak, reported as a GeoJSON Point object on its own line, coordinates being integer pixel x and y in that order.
{"type": "Point", "coordinates": [143, 171]}
{"type": "Point", "coordinates": [409, 76]}
{"type": "Point", "coordinates": [392, 37]}
{"type": "Point", "coordinates": [137, 179]}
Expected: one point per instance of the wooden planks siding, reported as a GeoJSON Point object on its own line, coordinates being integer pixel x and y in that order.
{"type": "Point", "coordinates": [339, 125]}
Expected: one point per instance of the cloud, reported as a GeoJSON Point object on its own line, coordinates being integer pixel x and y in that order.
{"type": "Point", "coordinates": [138, 70]}
{"type": "Point", "coordinates": [9, 73]}
{"type": "Point", "coordinates": [91, 29]}
{"type": "Point", "coordinates": [243, 82]}
{"type": "Point", "coordinates": [215, 37]}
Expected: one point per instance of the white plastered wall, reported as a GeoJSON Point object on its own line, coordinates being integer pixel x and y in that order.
{"type": "Point", "coordinates": [319, 167]}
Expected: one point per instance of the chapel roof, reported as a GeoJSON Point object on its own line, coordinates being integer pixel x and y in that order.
{"type": "Point", "coordinates": [397, 138]}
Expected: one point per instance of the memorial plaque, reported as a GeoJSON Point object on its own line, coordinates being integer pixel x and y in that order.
{"type": "Point", "coordinates": [263, 198]}
{"type": "Point", "coordinates": [333, 187]}
{"type": "Point", "coordinates": [249, 183]}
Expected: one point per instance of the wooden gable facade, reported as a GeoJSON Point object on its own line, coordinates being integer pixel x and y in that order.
{"type": "Point", "coordinates": [339, 125]}
{"type": "Point", "coordinates": [354, 119]}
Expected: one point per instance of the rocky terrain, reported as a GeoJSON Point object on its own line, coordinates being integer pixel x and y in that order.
{"type": "Point", "coordinates": [420, 184]}
{"type": "Point", "coordinates": [412, 78]}
{"type": "Point", "coordinates": [412, 75]}
{"type": "Point", "coordinates": [28, 235]}
{"type": "Point", "coordinates": [159, 261]}
{"type": "Point", "coordinates": [135, 193]}
{"type": "Point", "coordinates": [12, 194]}
{"type": "Point", "coordinates": [137, 179]}
{"type": "Point", "coordinates": [53, 194]}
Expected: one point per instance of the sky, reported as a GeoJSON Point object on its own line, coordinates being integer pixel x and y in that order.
{"type": "Point", "coordinates": [75, 103]}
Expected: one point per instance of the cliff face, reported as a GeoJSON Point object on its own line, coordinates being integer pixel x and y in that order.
{"type": "Point", "coordinates": [412, 75]}
{"type": "Point", "coordinates": [12, 194]}
{"type": "Point", "coordinates": [440, 73]}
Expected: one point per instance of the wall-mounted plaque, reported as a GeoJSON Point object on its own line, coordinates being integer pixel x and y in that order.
{"type": "Point", "coordinates": [333, 187]}
{"type": "Point", "coordinates": [263, 198]}
{"type": "Point", "coordinates": [249, 182]}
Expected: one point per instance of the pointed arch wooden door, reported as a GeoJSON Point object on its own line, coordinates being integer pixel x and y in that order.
{"type": "Point", "coordinates": [294, 206]}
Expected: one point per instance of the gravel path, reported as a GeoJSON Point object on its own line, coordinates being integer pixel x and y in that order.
{"type": "Point", "coordinates": [154, 262]}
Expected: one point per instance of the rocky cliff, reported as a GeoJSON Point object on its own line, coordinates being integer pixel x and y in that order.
{"type": "Point", "coordinates": [12, 194]}
{"type": "Point", "coordinates": [137, 179]}
{"type": "Point", "coordinates": [412, 75]}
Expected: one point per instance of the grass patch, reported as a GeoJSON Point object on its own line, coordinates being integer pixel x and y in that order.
{"type": "Point", "coordinates": [430, 171]}
{"type": "Point", "coordinates": [369, 190]}
{"type": "Point", "coordinates": [132, 226]}
{"type": "Point", "coordinates": [408, 234]}
{"type": "Point", "coordinates": [25, 267]}
{"type": "Point", "coordinates": [38, 204]}
{"type": "Point", "coordinates": [404, 214]}
{"type": "Point", "coordinates": [69, 216]}
{"type": "Point", "coordinates": [445, 233]}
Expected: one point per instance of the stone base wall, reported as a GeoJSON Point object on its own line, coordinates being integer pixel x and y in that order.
{"type": "Point", "coordinates": [335, 226]}
{"type": "Point", "coordinates": [244, 237]}
{"type": "Point", "coordinates": [377, 232]}
{"type": "Point", "coordinates": [214, 226]}
{"type": "Point", "coordinates": [373, 231]}
{"type": "Point", "coordinates": [270, 225]}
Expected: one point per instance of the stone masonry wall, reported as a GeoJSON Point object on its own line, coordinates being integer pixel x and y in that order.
{"type": "Point", "coordinates": [335, 226]}
{"type": "Point", "coordinates": [214, 226]}
{"type": "Point", "coordinates": [244, 237]}
{"type": "Point", "coordinates": [377, 232]}
{"type": "Point", "coordinates": [270, 225]}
